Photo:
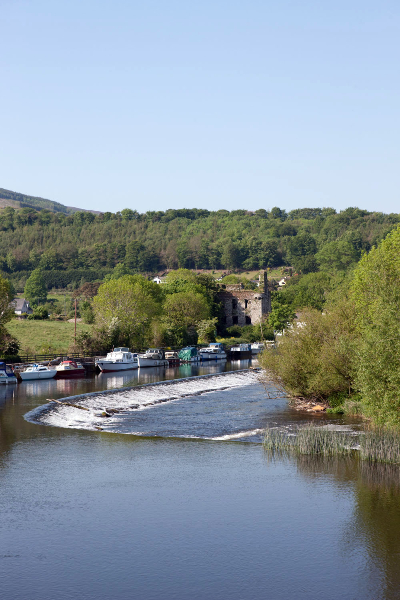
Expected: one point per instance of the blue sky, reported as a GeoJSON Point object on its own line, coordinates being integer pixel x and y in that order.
{"type": "Point", "coordinates": [157, 105]}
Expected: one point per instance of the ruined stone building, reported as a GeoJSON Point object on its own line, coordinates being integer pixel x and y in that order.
{"type": "Point", "coordinates": [245, 307]}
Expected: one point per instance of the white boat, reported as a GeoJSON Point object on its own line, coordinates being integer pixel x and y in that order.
{"type": "Point", "coordinates": [70, 368]}
{"type": "Point", "coordinates": [257, 347]}
{"type": "Point", "coordinates": [6, 374]}
{"type": "Point", "coordinates": [214, 351]}
{"type": "Point", "coordinates": [37, 372]}
{"type": "Point", "coordinates": [120, 359]}
{"type": "Point", "coordinates": [240, 352]}
{"type": "Point", "coordinates": [153, 357]}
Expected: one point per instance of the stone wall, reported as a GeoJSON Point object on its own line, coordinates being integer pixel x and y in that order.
{"type": "Point", "coordinates": [246, 307]}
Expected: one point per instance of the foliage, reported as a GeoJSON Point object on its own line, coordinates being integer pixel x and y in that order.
{"type": "Point", "coordinates": [376, 290]}
{"type": "Point", "coordinates": [317, 359]}
{"type": "Point", "coordinates": [206, 330]}
{"type": "Point", "coordinates": [35, 288]}
{"type": "Point", "coordinates": [182, 311]}
{"type": "Point", "coordinates": [250, 333]}
{"type": "Point", "coordinates": [87, 312]}
{"type": "Point", "coordinates": [234, 279]}
{"type": "Point", "coordinates": [39, 313]}
{"type": "Point", "coordinates": [85, 245]}
{"type": "Point", "coordinates": [281, 316]}
{"type": "Point", "coordinates": [125, 308]}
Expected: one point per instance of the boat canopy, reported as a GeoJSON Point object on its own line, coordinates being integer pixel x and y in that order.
{"type": "Point", "coordinates": [187, 353]}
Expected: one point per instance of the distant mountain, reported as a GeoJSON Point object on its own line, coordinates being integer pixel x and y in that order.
{"type": "Point", "coordinates": [16, 200]}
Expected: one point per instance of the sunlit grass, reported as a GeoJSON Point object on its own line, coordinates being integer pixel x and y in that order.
{"type": "Point", "coordinates": [42, 337]}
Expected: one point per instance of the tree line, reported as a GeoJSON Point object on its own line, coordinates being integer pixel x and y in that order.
{"type": "Point", "coordinates": [310, 240]}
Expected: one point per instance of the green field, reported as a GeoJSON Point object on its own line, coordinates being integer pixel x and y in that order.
{"type": "Point", "coordinates": [42, 337]}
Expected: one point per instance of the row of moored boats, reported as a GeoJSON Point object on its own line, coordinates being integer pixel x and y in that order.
{"type": "Point", "coordinates": [122, 359]}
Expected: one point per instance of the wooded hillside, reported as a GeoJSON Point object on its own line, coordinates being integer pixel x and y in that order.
{"type": "Point", "coordinates": [90, 245]}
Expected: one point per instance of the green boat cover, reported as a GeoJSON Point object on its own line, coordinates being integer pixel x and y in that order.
{"type": "Point", "coordinates": [187, 353]}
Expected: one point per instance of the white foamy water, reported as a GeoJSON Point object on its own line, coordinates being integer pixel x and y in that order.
{"type": "Point", "coordinates": [127, 401]}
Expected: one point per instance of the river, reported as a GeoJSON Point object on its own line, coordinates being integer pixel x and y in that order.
{"type": "Point", "coordinates": [173, 498]}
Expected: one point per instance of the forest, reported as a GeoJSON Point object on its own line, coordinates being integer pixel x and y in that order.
{"type": "Point", "coordinates": [71, 249]}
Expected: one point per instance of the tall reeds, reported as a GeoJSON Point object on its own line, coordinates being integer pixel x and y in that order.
{"type": "Point", "coordinates": [309, 439]}
{"type": "Point", "coordinates": [380, 445]}
{"type": "Point", "coordinates": [375, 445]}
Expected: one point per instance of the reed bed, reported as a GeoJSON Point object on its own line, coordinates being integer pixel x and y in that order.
{"type": "Point", "coordinates": [380, 445]}
{"type": "Point", "coordinates": [375, 445]}
{"type": "Point", "coordinates": [309, 439]}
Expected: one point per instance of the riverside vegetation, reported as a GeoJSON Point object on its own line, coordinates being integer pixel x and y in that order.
{"type": "Point", "coordinates": [347, 354]}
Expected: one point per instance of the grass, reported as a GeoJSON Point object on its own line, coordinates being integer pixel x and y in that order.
{"type": "Point", "coordinates": [41, 337]}
{"type": "Point", "coordinates": [309, 440]}
{"type": "Point", "coordinates": [375, 445]}
{"type": "Point", "coordinates": [381, 445]}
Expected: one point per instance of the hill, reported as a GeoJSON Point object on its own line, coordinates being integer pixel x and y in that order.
{"type": "Point", "coordinates": [78, 247]}
{"type": "Point", "coordinates": [17, 200]}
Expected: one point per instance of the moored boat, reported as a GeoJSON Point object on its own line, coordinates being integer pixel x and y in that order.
{"type": "Point", "coordinates": [257, 347]}
{"type": "Point", "coordinates": [153, 357]}
{"type": "Point", "coordinates": [240, 352]}
{"type": "Point", "coordinates": [37, 372]}
{"type": "Point", "coordinates": [172, 358]}
{"type": "Point", "coordinates": [214, 351]}
{"type": "Point", "coordinates": [120, 359]}
{"type": "Point", "coordinates": [189, 354]}
{"type": "Point", "coordinates": [7, 375]}
{"type": "Point", "coordinates": [70, 368]}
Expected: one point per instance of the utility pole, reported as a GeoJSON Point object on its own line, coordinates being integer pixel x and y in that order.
{"type": "Point", "coordinates": [75, 321]}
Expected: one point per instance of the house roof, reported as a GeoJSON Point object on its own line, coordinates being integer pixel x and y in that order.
{"type": "Point", "coordinates": [18, 303]}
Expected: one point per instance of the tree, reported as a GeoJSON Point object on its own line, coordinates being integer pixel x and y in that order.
{"type": "Point", "coordinates": [206, 330]}
{"type": "Point", "coordinates": [182, 311]}
{"type": "Point", "coordinates": [280, 316]}
{"type": "Point", "coordinates": [125, 307]}
{"type": "Point", "coordinates": [6, 314]}
{"type": "Point", "coordinates": [376, 290]}
{"type": "Point", "coordinates": [35, 288]}
{"type": "Point", "coordinates": [317, 359]}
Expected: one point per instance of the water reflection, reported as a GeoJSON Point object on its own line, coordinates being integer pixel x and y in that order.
{"type": "Point", "coordinates": [374, 529]}
{"type": "Point", "coordinates": [368, 534]}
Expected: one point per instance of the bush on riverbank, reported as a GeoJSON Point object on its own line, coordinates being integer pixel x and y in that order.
{"type": "Point", "coordinates": [316, 360]}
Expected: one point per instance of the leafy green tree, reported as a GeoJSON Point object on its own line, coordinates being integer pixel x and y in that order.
{"type": "Point", "coordinates": [376, 290]}
{"type": "Point", "coordinates": [35, 288]}
{"type": "Point", "coordinates": [126, 307]}
{"type": "Point", "coordinates": [206, 330]}
{"type": "Point", "coordinates": [280, 316]}
{"type": "Point", "coordinates": [182, 311]}
{"type": "Point", "coordinates": [316, 359]}
{"type": "Point", "coordinates": [338, 255]}
{"type": "Point", "coordinates": [6, 314]}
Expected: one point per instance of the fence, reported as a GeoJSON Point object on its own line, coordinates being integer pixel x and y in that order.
{"type": "Point", "coordinates": [34, 358]}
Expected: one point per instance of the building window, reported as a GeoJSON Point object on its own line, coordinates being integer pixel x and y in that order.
{"type": "Point", "coordinates": [248, 320]}
{"type": "Point", "coordinates": [246, 303]}
{"type": "Point", "coordinates": [234, 303]}
{"type": "Point", "coordinates": [235, 320]}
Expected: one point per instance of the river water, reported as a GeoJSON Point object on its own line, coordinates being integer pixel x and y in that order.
{"type": "Point", "coordinates": [173, 498]}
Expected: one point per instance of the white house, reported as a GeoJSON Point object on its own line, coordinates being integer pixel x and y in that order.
{"type": "Point", "coordinates": [21, 306]}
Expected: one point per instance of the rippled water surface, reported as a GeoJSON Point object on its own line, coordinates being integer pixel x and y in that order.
{"type": "Point", "coordinates": [172, 497]}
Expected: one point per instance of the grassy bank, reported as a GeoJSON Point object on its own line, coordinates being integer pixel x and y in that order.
{"type": "Point", "coordinates": [44, 336]}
